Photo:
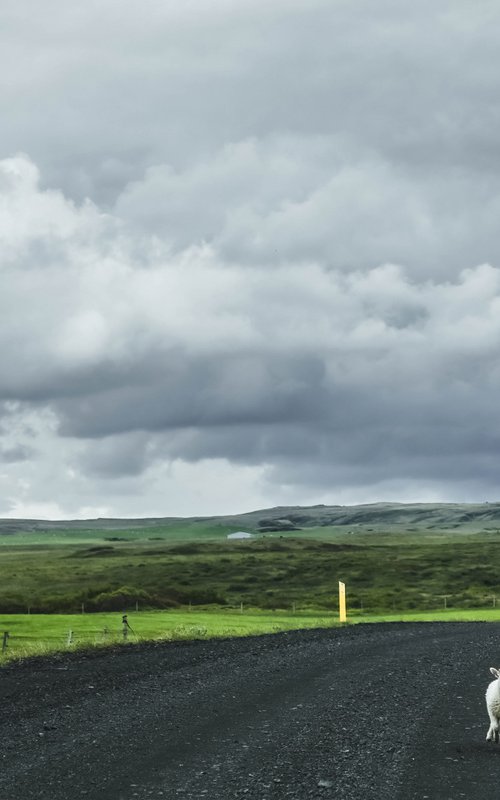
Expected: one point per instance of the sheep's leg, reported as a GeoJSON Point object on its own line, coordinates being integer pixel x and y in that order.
{"type": "Point", "coordinates": [492, 735]}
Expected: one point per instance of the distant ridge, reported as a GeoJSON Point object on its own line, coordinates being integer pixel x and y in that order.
{"type": "Point", "coordinates": [379, 515]}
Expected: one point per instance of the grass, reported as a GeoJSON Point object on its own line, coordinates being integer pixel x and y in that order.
{"type": "Point", "coordinates": [391, 574]}
{"type": "Point", "coordinates": [32, 635]}
{"type": "Point", "coordinates": [176, 531]}
{"type": "Point", "coordinates": [383, 571]}
{"type": "Point", "coordinates": [172, 564]}
{"type": "Point", "coordinates": [448, 615]}
{"type": "Point", "coordinates": [394, 571]}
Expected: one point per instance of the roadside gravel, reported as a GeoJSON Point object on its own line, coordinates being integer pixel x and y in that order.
{"type": "Point", "coordinates": [376, 712]}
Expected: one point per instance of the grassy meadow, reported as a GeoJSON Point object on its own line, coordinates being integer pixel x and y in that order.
{"type": "Point", "coordinates": [36, 634]}
{"type": "Point", "coordinates": [42, 634]}
{"type": "Point", "coordinates": [386, 572]}
{"type": "Point", "coordinates": [181, 578]}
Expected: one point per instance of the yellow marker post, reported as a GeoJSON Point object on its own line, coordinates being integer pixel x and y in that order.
{"type": "Point", "coordinates": [342, 609]}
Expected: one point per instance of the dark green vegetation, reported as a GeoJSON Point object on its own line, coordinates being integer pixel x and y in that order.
{"type": "Point", "coordinates": [392, 558]}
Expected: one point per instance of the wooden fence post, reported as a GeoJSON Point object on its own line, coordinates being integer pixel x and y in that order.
{"type": "Point", "coordinates": [5, 640]}
{"type": "Point", "coordinates": [70, 638]}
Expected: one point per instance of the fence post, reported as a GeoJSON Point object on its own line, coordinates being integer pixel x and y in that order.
{"type": "Point", "coordinates": [342, 604]}
{"type": "Point", "coordinates": [70, 638]}
{"type": "Point", "coordinates": [444, 598]}
{"type": "Point", "coordinates": [5, 640]}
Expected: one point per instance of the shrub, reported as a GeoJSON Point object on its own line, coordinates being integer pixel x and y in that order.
{"type": "Point", "coordinates": [120, 599]}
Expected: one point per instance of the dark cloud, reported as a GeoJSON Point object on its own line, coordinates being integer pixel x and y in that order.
{"type": "Point", "coordinates": [15, 453]}
{"type": "Point", "coordinates": [417, 85]}
{"type": "Point", "coordinates": [117, 456]}
{"type": "Point", "coordinates": [190, 392]}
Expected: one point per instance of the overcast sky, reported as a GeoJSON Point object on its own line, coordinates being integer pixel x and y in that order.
{"type": "Point", "coordinates": [249, 254]}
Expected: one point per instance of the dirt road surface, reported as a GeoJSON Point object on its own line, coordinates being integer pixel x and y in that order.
{"type": "Point", "coordinates": [368, 712]}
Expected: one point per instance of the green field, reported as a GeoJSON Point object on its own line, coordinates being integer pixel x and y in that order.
{"type": "Point", "coordinates": [31, 635]}
{"type": "Point", "coordinates": [177, 531]}
{"type": "Point", "coordinates": [386, 572]}
{"type": "Point", "coordinates": [397, 561]}
{"type": "Point", "coordinates": [35, 634]}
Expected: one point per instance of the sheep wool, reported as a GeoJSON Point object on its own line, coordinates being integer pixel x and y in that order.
{"type": "Point", "coordinates": [493, 706]}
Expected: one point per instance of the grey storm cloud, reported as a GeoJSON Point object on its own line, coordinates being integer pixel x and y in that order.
{"type": "Point", "coordinates": [177, 82]}
{"type": "Point", "coordinates": [275, 131]}
{"type": "Point", "coordinates": [256, 235]}
{"type": "Point", "coordinates": [15, 453]}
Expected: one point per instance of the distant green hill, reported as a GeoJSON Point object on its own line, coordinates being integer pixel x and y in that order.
{"type": "Point", "coordinates": [386, 516]}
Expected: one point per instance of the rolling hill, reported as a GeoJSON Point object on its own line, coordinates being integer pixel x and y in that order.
{"type": "Point", "coordinates": [447, 516]}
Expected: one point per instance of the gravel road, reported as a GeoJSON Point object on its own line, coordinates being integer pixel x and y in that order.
{"type": "Point", "coordinates": [368, 712]}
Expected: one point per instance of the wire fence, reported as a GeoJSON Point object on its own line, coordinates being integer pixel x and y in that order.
{"type": "Point", "coordinates": [14, 644]}
{"type": "Point", "coordinates": [11, 640]}
{"type": "Point", "coordinates": [20, 638]}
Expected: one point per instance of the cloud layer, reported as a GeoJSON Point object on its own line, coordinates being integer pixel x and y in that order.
{"type": "Point", "coordinates": [248, 255]}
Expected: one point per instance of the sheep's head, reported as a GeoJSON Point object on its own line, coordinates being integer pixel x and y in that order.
{"type": "Point", "coordinates": [495, 672]}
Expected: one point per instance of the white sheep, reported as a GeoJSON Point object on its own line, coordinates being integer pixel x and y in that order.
{"type": "Point", "coordinates": [493, 706]}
